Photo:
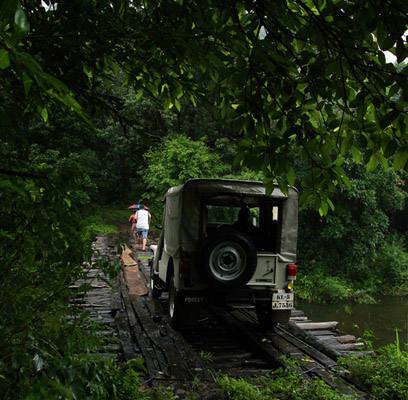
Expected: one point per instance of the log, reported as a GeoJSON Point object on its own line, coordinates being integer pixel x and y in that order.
{"type": "Point", "coordinates": [339, 339]}
{"type": "Point", "coordinates": [322, 333]}
{"type": "Point", "coordinates": [295, 319]}
{"type": "Point", "coordinates": [297, 313]}
{"type": "Point", "coordinates": [309, 338]}
{"type": "Point", "coordinates": [314, 326]}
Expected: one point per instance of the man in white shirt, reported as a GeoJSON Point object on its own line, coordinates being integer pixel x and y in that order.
{"type": "Point", "coordinates": [143, 218]}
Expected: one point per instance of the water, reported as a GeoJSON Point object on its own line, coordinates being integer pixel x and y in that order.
{"type": "Point", "coordinates": [382, 319]}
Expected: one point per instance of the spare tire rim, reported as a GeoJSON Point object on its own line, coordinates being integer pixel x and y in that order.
{"type": "Point", "coordinates": [227, 261]}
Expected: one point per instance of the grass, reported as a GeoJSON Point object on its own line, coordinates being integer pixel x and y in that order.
{"type": "Point", "coordinates": [104, 221]}
{"type": "Point", "coordinates": [283, 384]}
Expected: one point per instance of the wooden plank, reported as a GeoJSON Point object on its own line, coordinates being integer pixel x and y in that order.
{"type": "Point", "coordinates": [139, 336]}
{"type": "Point", "coordinates": [339, 339]}
{"type": "Point", "coordinates": [297, 313]}
{"type": "Point", "coordinates": [195, 364]}
{"type": "Point", "coordinates": [176, 365]}
{"type": "Point", "coordinates": [134, 282]}
{"type": "Point", "coordinates": [347, 346]}
{"type": "Point", "coordinates": [330, 325]}
{"type": "Point", "coordinates": [116, 302]}
{"type": "Point", "coordinates": [252, 338]}
{"type": "Point", "coordinates": [309, 350]}
{"type": "Point", "coordinates": [322, 333]}
{"type": "Point", "coordinates": [298, 319]}
{"type": "Point", "coordinates": [128, 305]}
{"type": "Point", "coordinates": [125, 336]}
{"type": "Point", "coordinates": [311, 339]}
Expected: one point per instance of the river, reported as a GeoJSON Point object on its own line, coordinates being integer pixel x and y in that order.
{"type": "Point", "coordinates": [381, 319]}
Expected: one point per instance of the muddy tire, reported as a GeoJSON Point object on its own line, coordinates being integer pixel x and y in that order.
{"type": "Point", "coordinates": [156, 293]}
{"type": "Point", "coordinates": [175, 309]}
{"type": "Point", "coordinates": [227, 259]}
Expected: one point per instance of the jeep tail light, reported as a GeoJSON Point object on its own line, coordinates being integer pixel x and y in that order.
{"type": "Point", "coordinates": [184, 268]}
{"type": "Point", "coordinates": [291, 270]}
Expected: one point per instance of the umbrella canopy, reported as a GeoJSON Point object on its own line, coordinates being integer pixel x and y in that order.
{"type": "Point", "coordinates": [138, 207]}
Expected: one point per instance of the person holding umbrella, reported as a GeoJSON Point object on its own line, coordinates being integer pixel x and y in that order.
{"type": "Point", "coordinates": [143, 218]}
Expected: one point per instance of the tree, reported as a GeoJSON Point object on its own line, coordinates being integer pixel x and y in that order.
{"type": "Point", "coordinates": [289, 74]}
{"type": "Point", "coordinates": [177, 160]}
{"type": "Point", "coordinates": [306, 76]}
{"type": "Point", "coordinates": [356, 244]}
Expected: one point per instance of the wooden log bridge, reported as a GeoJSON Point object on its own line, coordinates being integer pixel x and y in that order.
{"type": "Point", "coordinates": [126, 311]}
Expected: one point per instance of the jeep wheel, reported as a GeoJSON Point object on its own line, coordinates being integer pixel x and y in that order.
{"type": "Point", "coordinates": [175, 306]}
{"type": "Point", "coordinates": [153, 284]}
{"type": "Point", "coordinates": [228, 259]}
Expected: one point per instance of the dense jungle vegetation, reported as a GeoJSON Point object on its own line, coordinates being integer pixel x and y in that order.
{"type": "Point", "coordinates": [112, 102]}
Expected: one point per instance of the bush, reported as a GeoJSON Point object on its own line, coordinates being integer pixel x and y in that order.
{"type": "Point", "coordinates": [391, 263]}
{"type": "Point", "coordinates": [384, 373]}
{"type": "Point", "coordinates": [325, 289]}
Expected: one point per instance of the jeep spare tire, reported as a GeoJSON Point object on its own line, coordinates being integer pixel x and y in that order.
{"type": "Point", "coordinates": [227, 259]}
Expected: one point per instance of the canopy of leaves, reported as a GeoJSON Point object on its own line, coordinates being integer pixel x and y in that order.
{"type": "Point", "coordinates": [289, 74]}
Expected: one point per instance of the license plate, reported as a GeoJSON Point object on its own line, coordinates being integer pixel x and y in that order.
{"type": "Point", "coordinates": [282, 301]}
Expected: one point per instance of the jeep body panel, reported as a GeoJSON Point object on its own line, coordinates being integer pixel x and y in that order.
{"type": "Point", "coordinates": [200, 252]}
{"type": "Point", "coordinates": [182, 212]}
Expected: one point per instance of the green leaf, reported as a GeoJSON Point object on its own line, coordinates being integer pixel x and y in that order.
{"type": "Point", "coordinates": [21, 25]}
{"type": "Point", "coordinates": [390, 148]}
{"type": "Point", "coordinates": [139, 94]}
{"type": "Point", "coordinates": [356, 154]}
{"type": "Point", "coordinates": [400, 158]}
{"type": "Point", "coordinates": [372, 163]}
{"type": "Point", "coordinates": [346, 144]}
{"type": "Point", "coordinates": [168, 104]}
{"type": "Point", "coordinates": [387, 44]}
{"type": "Point", "coordinates": [291, 176]}
{"type": "Point", "coordinates": [27, 82]}
{"type": "Point", "coordinates": [383, 161]}
{"type": "Point", "coordinates": [305, 199]}
{"type": "Point", "coordinates": [4, 59]}
{"type": "Point", "coordinates": [388, 118]}
{"type": "Point", "coordinates": [323, 209]}
{"type": "Point", "coordinates": [44, 114]}
{"type": "Point", "coordinates": [330, 203]}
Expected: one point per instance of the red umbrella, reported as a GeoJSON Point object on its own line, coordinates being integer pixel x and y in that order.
{"type": "Point", "coordinates": [138, 207]}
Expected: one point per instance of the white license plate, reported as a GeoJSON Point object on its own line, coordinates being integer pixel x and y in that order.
{"type": "Point", "coordinates": [282, 301]}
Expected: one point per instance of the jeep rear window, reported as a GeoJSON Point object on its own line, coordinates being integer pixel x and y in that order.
{"type": "Point", "coordinates": [265, 219]}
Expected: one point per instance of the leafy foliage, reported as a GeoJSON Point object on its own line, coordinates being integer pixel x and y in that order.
{"type": "Point", "coordinates": [308, 75]}
{"type": "Point", "coordinates": [384, 372]}
{"type": "Point", "coordinates": [176, 160]}
{"type": "Point", "coordinates": [341, 249]}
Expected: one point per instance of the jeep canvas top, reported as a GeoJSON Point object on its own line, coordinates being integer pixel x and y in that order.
{"type": "Point", "coordinates": [227, 241]}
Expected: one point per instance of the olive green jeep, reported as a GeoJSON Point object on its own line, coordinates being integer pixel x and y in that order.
{"type": "Point", "coordinates": [227, 242]}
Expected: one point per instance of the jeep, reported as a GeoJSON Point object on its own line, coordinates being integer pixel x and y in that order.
{"type": "Point", "coordinates": [227, 242]}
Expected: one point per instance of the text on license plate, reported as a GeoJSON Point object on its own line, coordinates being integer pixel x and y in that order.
{"type": "Point", "coordinates": [282, 301]}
